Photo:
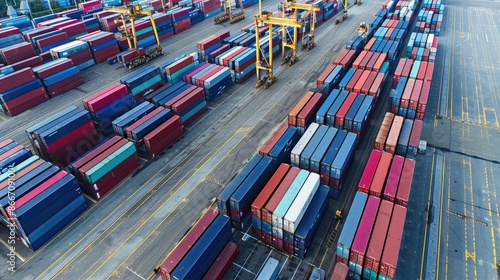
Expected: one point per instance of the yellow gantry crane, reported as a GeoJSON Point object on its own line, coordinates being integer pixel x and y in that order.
{"type": "Point", "coordinates": [228, 13]}
{"type": "Point", "coordinates": [363, 30]}
{"type": "Point", "coordinates": [128, 14]}
{"type": "Point", "coordinates": [288, 41]}
{"type": "Point", "coordinates": [345, 4]}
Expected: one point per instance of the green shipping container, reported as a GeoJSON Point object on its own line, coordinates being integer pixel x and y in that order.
{"type": "Point", "coordinates": [414, 69]}
{"type": "Point", "coordinates": [109, 163]}
{"type": "Point", "coordinates": [147, 84]}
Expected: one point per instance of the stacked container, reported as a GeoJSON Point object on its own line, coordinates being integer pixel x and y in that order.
{"type": "Point", "coordinates": [188, 104]}
{"type": "Point", "coordinates": [212, 46]}
{"type": "Point", "coordinates": [141, 81]}
{"type": "Point", "coordinates": [12, 154]}
{"type": "Point", "coordinates": [102, 45]}
{"type": "Point", "coordinates": [59, 76]}
{"type": "Point", "coordinates": [180, 20]}
{"type": "Point", "coordinates": [78, 51]}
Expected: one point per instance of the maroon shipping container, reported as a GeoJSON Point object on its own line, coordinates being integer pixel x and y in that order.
{"type": "Point", "coordinates": [414, 52]}
{"type": "Point", "coordinates": [175, 256]}
{"type": "Point", "coordinates": [393, 242]}
{"type": "Point", "coordinates": [348, 59]}
{"type": "Point", "coordinates": [403, 194]}
{"type": "Point", "coordinates": [369, 82]}
{"type": "Point", "coordinates": [100, 157]}
{"type": "Point", "coordinates": [131, 127]}
{"type": "Point", "coordinates": [340, 57]}
{"type": "Point", "coordinates": [368, 57]}
{"type": "Point", "coordinates": [340, 271]}
{"type": "Point", "coordinates": [69, 137]}
{"type": "Point", "coordinates": [268, 191]}
{"type": "Point", "coordinates": [225, 60]}
{"type": "Point", "coordinates": [162, 136]}
{"type": "Point", "coordinates": [422, 101]}
{"type": "Point", "coordinates": [379, 234]}
{"type": "Point", "coordinates": [371, 63]}
{"type": "Point", "coordinates": [269, 144]}
{"type": "Point", "coordinates": [28, 100]}
{"type": "Point", "coordinates": [29, 62]}
{"type": "Point", "coordinates": [429, 71]}
{"type": "Point", "coordinates": [223, 262]}
{"type": "Point", "coordinates": [179, 96]}
{"type": "Point", "coordinates": [405, 99]}
{"type": "Point", "coordinates": [54, 69]}
{"type": "Point", "coordinates": [46, 56]}
{"type": "Point", "coordinates": [64, 23]}
{"type": "Point", "coordinates": [278, 243]}
{"type": "Point", "coordinates": [51, 40]}
{"type": "Point", "coordinates": [195, 116]}
{"type": "Point", "coordinates": [201, 79]}
{"type": "Point", "coordinates": [377, 85]}
{"type": "Point", "coordinates": [340, 116]}
{"type": "Point", "coordinates": [64, 86]}
{"type": "Point", "coordinates": [188, 100]}
{"type": "Point", "coordinates": [16, 79]}
{"type": "Point", "coordinates": [425, 57]}
{"type": "Point", "coordinates": [321, 80]}
{"type": "Point", "coordinates": [415, 94]}
{"type": "Point", "coordinates": [407, 68]}
{"type": "Point", "coordinates": [309, 110]}
{"type": "Point", "coordinates": [292, 116]}
{"type": "Point", "coordinates": [267, 211]}
{"type": "Point", "coordinates": [354, 79]}
{"type": "Point", "coordinates": [416, 132]}
{"type": "Point", "coordinates": [17, 52]}
{"type": "Point", "coordinates": [399, 70]}
{"type": "Point", "coordinates": [75, 149]}
{"type": "Point", "coordinates": [35, 100]}
{"type": "Point", "coordinates": [288, 247]}
{"type": "Point", "coordinates": [361, 81]}
{"type": "Point", "coordinates": [267, 238]}
{"type": "Point", "coordinates": [421, 71]}
{"type": "Point", "coordinates": [105, 145]}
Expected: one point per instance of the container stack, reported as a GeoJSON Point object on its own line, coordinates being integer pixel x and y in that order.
{"type": "Point", "coordinates": [108, 104]}
{"type": "Point", "coordinates": [212, 46]}
{"type": "Point", "coordinates": [10, 36]}
{"type": "Point", "coordinates": [73, 14]}
{"type": "Point", "coordinates": [242, 64]}
{"type": "Point", "coordinates": [144, 33]}
{"type": "Point", "coordinates": [164, 25]}
{"type": "Point", "coordinates": [209, 7]}
{"type": "Point", "coordinates": [409, 98]}
{"type": "Point", "coordinates": [16, 53]}
{"type": "Point", "coordinates": [280, 143]}
{"type": "Point", "coordinates": [174, 71]}
{"type": "Point", "coordinates": [56, 22]}
{"type": "Point", "coordinates": [48, 40]}
{"type": "Point", "coordinates": [64, 137]}
{"type": "Point", "coordinates": [107, 21]}
{"type": "Point", "coordinates": [204, 251]}
{"type": "Point", "coordinates": [188, 104]}
{"type": "Point", "coordinates": [181, 20]}
{"type": "Point", "coordinates": [143, 80]}
{"type": "Point", "coordinates": [47, 199]}
{"type": "Point", "coordinates": [59, 76]}
{"type": "Point", "coordinates": [288, 211]}
{"type": "Point", "coordinates": [20, 91]}
{"type": "Point", "coordinates": [89, 5]}
{"type": "Point", "coordinates": [330, 9]}
{"type": "Point", "coordinates": [103, 167]}
{"type": "Point", "coordinates": [345, 58]}
{"type": "Point", "coordinates": [120, 123]}
{"type": "Point", "coordinates": [102, 45]}
{"type": "Point", "coordinates": [12, 154]}
{"type": "Point", "coordinates": [215, 79]}
{"type": "Point", "coordinates": [74, 30]}
{"type": "Point", "coordinates": [327, 151]}
{"type": "Point", "coordinates": [91, 24]}
{"type": "Point", "coordinates": [78, 51]}
{"type": "Point", "coordinates": [21, 22]}
{"type": "Point", "coordinates": [236, 198]}
{"type": "Point", "coordinates": [196, 16]}
{"type": "Point", "coordinates": [303, 113]}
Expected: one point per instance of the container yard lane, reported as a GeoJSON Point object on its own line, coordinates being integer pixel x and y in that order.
{"type": "Point", "coordinates": [130, 231]}
{"type": "Point", "coordinates": [461, 167]}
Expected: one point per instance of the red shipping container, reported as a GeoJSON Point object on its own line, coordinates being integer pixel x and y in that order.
{"type": "Point", "coordinates": [380, 61]}
{"type": "Point", "coordinates": [29, 62]}
{"type": "Point", "coordinates": [69, 137]}
{"type": "Point", "coordinates": [65, 85]}
{"type": "Point", "coordinates": [404, 189]}
{"type": "Point", "coordinates": [292, 116]}
{"type": "Point", "coordinates": [369, 171]}
{"type": "Point", "coordinates": [16, 79]}
{"type": "Point", "coordinates": [381, 175]}
{"type": "Point", "coordinates": [424, 95]}
{"type": "Point", "coordinates": [180, 96]}
{"type": "Point", "coordinates": [370, 43]}
{"type": "Point", "coordinates": [369, 82]}
{"type": "Point", "coordinates": [340, 116]}
{"type": "Point", "coordinates": [377, 85]}
{"type": "Point", "coordinates": [288, 247]}
{"type": "Point", "coordinates": [268, 210]}
{"type": "Point", "coordinates": [309, 110]}
{"type": "Point", "coordinates": [425, 56]}
{"type": "Point", "coordinates": [429, 71]}
{"type": "Point", "coordinates": [324, 75]}
{"type": "Point", "coordinates": [223, 262]}
{"type": "Point", "coordinates": [75, 149]}
{"type": "Point", "coordinates": [354, 79]}
{"type": "Point", "coordinates": [104, 97]}
{"type": "Point", "coordinates": [271, 186]}
{"type": "Point", "coordinates": [399, 70]}
{"type": "Point", "coordinates": [17, 52]}
{"type": "Point", "coordinates": [365, 227]}
{"type": "Point", "coordinates": [407, 68]}
{"type": "Point", "coordinates": [100, 157]}
{"type": "Point", "coordinates": [175, 256]}
{"type": "Point", "coordinates": [341, 56]}
{"type": "Point", "coordinates": [393, 242]}
{"type": "Point", "coordinates": [133, 126]}
{"type": "Point", "coordinates": [416, 132]}
{"type": "Point", "coordinates": [188, 100]}
{"type": "Point", "coordinates": [278, 243]}
{"type": "Point", "coordinates": [164, 135]}
{"type": "Point", "coordinates": [54, 69]}
{"type": "Point", "coordinates": [405, 99]}
{"type": "Point", "coordinates": [26, 101]}
{"type": "Point", "coordinates": [365, 60]}
{"type": "Point", "coordinates": [269, 144]}
{"type": "Point", "coordinates": [371, 63]}
{"type": "Point", "coordinates": [112, 178]}
{"type": "Point", "coordinates": [377, 240]}
{"type": "Point", "coordinates": [391, 186]}
{"type": "Point", "coordinates": [340, 271]}
{"type": "Point", "coordinates": [348, 59]}
{"type": "Point", "coordinates": [358, 60]}
{"type": "Point", "coordinates": [226, 59]}
{"type": "Point", "coordinates": [200, 81]}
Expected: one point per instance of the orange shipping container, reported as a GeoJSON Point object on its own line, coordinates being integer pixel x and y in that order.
{"type": "Point", "coordinates": [361, 81]}
{"type": "Point", "coordinates": [392, 138]}
{"type": "Point", "coordinates": [358, 60]}
{"type": "Point", "coordinates": [378, 64]}
{"type": "Point", "coordinates": [384, 131]}
{"type": "Point", "coordinates": [381, 174]}
{"type": "Point", "coordinates": [370, 43]}
{"type": "Point", "coordinates": [405, 99]}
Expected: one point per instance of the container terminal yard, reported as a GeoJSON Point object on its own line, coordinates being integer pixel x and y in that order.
{"type": "Point", "coordinates": [129, 232]}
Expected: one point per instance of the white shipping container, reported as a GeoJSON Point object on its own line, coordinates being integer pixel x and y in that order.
{"type": "Point", "coordinates": [299, 147]}
{"type": "Point", "coordinates": [301, 203]}
{"type": "Point", "coordinates": [231, 51]}
{"type": "Point", "coordinates": [430, 40]}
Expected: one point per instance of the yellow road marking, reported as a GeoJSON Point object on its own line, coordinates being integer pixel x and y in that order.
{"type": "Point", "coordinates": [8, 248]}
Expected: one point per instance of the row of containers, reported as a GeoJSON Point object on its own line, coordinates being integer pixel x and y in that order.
{"type": "Point", "coordinates": [369, 243]}
{"type": "Point", "coordinates": [205, 251]}
{"type": "Point", "coordinates": [45, 198]}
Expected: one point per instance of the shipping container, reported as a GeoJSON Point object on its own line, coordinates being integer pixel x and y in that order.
{"type": "Point", "coordinates": [273, 139]}
{"type": "Point", "coordinates": [353, 110]}
{"type": "Point", "coordinates": [403, 194]}
{"type": "Point", "coordinates": [391, 186]}
{"type": "Point", "coordinates": [270, 270]}
{"type": "Point", "coordinates": [414, 139]}
{"type": "Point", "coordinates": [381, 174]}
{"type": "Point", "coordinates": [340, 270]}
{"type": "Point", "coordinates": [305, 156]}
{"type": "Point", "coordinates": [363, 233]}
{"type": "Point", "coordinates": [204, 252]}
{"type": "Point", "coordinates": [341, 113]}
{"type": "Point", "coordinates": [342, 161]}
{"type": "Point", "coordinates": [332, 111]}
{"type": "Point", "coordinates": [392, 245]}
{"type": "Point", "coordinates": [377, 240]}
{"type": "Point", "coordinates": [323, 110]}
{"type": "Point", "coordinates": [319, 153]}
{"type": "Point", "coordinates": [299, 206]}
{"type": "Point", "coordinates": [369, 171]}
{"type": "Point", "coordinates": [350, 226]}
{"type": "Point", "coordinates": [280, 153]}
{"type": "Point", "coordinates": [308, 113]}
{"type": "Point", "coordinates": [330, 155]}
{"type": "Point", "coordinates": [292, 116]}
{"type": "Point", "coordinates": [393, 136]}
{"type": "Point", "coordinates": [384, 131]}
